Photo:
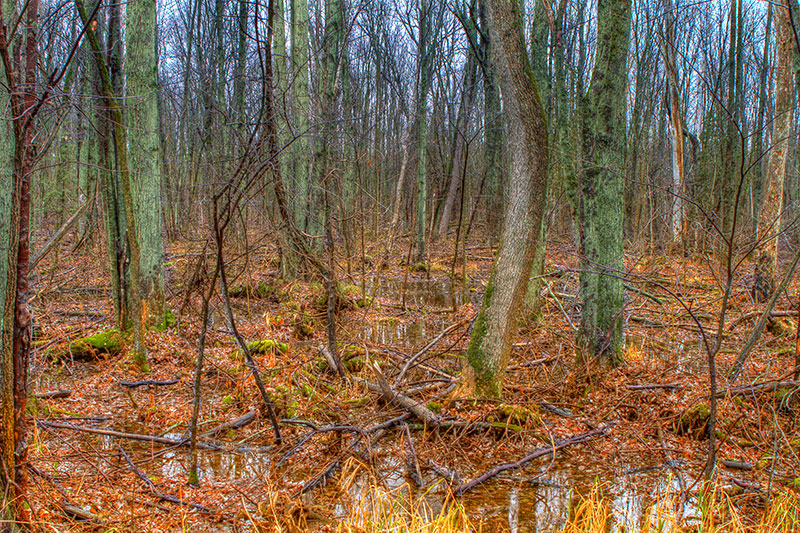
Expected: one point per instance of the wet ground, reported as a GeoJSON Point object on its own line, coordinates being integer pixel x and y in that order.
{"type": "Point", "coordinates": [638, 473]}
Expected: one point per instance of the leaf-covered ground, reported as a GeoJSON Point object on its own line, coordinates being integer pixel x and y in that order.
{"type": "Point", "coordinates": [392, 310]}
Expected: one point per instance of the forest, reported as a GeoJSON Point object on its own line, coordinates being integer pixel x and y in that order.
{"type": "Point", "coordinates": [399, 265]}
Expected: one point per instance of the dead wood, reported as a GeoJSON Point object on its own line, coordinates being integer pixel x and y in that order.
{"type": "Point", "coordinates": [73, 511]}
{"type": "Point", "coordinates": [334, 363]}
{"type": "Point", "coordinates": [138, 436]}
{"type": "Point", "coordinates": [236, 423]}
{"type": "Point", "coordinates": [146, 382]}
{"type": "Point", "coordinates": [157, 493]}
{"type": "Point", "coordinates": [65, 227]}
{"type": "Point", "coordinates": [409, 404]}
{"type": "Point", "coordinates": [769, 386]}
{"type": "Point", "coordinates": [653, 386]}
{"type": "Point", "coordinates": [428, 346]}
{"type": "Point", "coordinates": [61, 393]}
{"type": "Point", "coordinates": [375, 433]}
{"type": "Point", "coordinates": [412, 464]}
{"type": "Point", "coordinates": [538, 452]}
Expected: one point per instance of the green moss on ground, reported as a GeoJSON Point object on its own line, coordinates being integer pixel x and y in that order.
{"type": "Point", "coordinates": [694, 422]}
{"type": "Point", "coordinates": [106, 343]}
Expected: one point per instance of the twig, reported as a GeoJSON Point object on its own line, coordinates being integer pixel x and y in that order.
{"type": "Point", "coordinates": [157, 493]}
{"type": "Point", "coordinates": [759, 387]}
{"type": "Point", "coordinates": [427, 347]}
{"type": "Point", "coordinates": [538, 452]}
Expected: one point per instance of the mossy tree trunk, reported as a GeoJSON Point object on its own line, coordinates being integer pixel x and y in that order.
{"type": "Point", "coordinates": [141, 75]}
{"type": "Point", "coordinates": [121, 147]}
{"type": "Point", "coordinates": [18, 88]}
{"type": "Point", "coordinates": [299, 186]}
{"type": "Point", "coordinates": [769, 215]}
{"type": "Point", "coordinates": [8, 283]}
{"type": "Point", "coordinates": [601, 185]}
{"type": "Point", "coordinates": [490, 345]}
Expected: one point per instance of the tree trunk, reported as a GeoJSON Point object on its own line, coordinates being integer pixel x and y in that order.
{"type": "Point", "coordinates": [493, 128]}
{"type": "Point", "coordinates": [141, 74]}
{"type": "Point", "coordinates": [675, 116]}
{"type": "Point", "coordinates": [459, 144]}
{"type": "Point", "coordinates": [423, 87]}
{"type": "Point", "coordinates": [601, 187]}
{"type": "Point", "coordinates": [121, 146]}
{"type": "Point", "coordinates": [769, 215]}
{"type": "Point", "coordinates": [21, 100]}
{"type": "Point", "coordinates": [490, 345]}
{"type": "Point", "coordinates": [299, 187]}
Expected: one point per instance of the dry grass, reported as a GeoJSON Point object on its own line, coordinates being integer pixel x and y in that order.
{"type": "Point", "coordinates": [716, 509]}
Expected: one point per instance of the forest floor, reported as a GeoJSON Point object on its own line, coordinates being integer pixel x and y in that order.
{"type": "Point", "coordinates": [89, 473]}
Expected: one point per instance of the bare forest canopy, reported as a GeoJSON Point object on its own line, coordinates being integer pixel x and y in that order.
{"type": "Point", "coordinates": [307, 264]}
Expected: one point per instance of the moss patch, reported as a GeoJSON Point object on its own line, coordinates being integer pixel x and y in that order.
{"type": "Point", "coordinates": [694, 422]}
{"type": "Point", "coordinates": [106, 343]}
{"type": "Point", "coordinates": [267, 346]}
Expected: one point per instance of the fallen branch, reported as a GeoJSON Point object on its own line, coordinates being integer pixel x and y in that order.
{"type": "Point", "coordinates": [409, 404]}
{"type": "Point", "coordinates": [538, 452]}
{"type": "Point", "coordinates": [138, 436]}
{"type": "Point", "coordinates": [769, 386]}
{"type": "Point", "coordinates": [754, 314]}
{"type": "Point", "coordinates": [653, 386]}
{"type": "Point", "coordinates": [53, 394]}
{"type": "Point", "coordinates": [157, 493]}
{"type": "Point", "coordinates": [65, 227]}
{"type": "Point", "coordinates": [143, 383]}
{"type": "Point", "coordinates": [236, 423]}
{"type": "Point", "coordinates": [377, 431]}
{"type": "Point", "coordinates": [427, 347]}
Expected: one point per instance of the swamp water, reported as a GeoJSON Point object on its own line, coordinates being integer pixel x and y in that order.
{"type": "Point", "coordinates": [536, 499]}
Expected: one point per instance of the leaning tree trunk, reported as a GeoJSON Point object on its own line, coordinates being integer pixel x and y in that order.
{"type": "Point", "coordinates": [769, 215]}
{"type": "Point", "coordinates": [141, 74]}
{"type": "Point", "coordinates": [601, 188]}
{"type": "Point", "coordinates": [490, 345]}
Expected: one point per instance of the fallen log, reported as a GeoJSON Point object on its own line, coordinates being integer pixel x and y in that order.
{"type": "Point", "coordinates": [535, 454]}
{"type": "Point", "coordinates": [146, 382]}
{"type": "Point", "coordinates": [418, 409]}
{"type": "Point", "coordinates": [48, 395]}
{"type": "Point", "coordinates": [654, 386]}
{"type": "Point", "coordinates": [236, 423]}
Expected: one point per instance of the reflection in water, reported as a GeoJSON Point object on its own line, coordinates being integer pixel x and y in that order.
{"type": "Point", "coordinates": [173, 463]}
{"type": "Point", "coordinates": [423, 292]}
{"type": "Point", "coordinates": [396, 333]}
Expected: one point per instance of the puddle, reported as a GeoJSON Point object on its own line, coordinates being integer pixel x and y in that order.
{"type": "Point", "coordinates": [422, 292]}
{"type": "Point", "coordinates": [525, 502]}
{"type": "Point", "coordinates": [688, 356]}
{"type": "Point", "coordinates": [396, 333]}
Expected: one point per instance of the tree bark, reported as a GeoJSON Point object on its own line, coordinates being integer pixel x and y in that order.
{"type": "Point", "coordinates": [490, 344]}
{"type": "Point", "coordinates": [141, 74]}
{"type": "Point", "coordinates": [601, 187]}
{"type": "Point", "coordinates": [769, 215]}
{"type": "Point", "coordinates": [675, 116]}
